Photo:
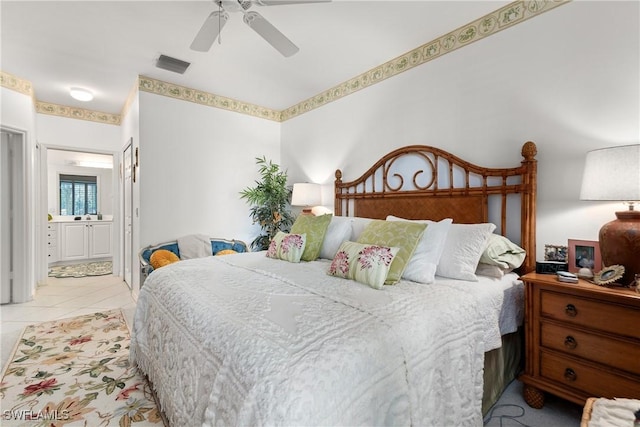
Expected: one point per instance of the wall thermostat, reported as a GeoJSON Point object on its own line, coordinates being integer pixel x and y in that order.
{"type": "Point", "coordinates": [551, 267]}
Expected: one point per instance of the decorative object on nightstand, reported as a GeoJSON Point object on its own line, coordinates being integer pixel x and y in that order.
{"type": "Point", "coordinates": [306, 194]}
{"type": "Point", "coordinates": [550, 267]}
{"type": "Point", "coordinates": [608, 275]}
{"type": "Point", "coordinates": [581, 341]}
{"type": "Point", "coordinates": [584, 254]}
{"type": "Point", "coordinates": [613, 174]}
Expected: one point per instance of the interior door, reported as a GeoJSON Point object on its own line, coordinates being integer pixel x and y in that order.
{"type": "Point", "coordinates": [5, 225]}
{"type": "Point", "coordinates": [128, 215]}
{"type": "Point", "coordinates": [14, 251]}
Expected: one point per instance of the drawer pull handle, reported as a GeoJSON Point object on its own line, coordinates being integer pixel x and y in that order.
{"type": "Point", "coordinates": [571, 310]}
{"type": "Point", "coordinates": [570, 342]}
{"type": "Point", "coordinates": [570, 374]}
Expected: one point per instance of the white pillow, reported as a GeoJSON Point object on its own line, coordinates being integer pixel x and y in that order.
{"type": "Point", "coordinates": [422, 265]}
{"type": "Point", "coordinates": [339, 231]}
{"type": "Point", "coordinates": [462, 250]}
{"type": "Point", "coordinates": [489, 270]}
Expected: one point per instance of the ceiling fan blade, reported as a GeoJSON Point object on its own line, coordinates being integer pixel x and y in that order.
{"type": "Point", "coordinates": [270, 33]}
{"type": "Point", "coordinates": [209, 31]}
{"type": "Point", "coordinates": [279, 2]}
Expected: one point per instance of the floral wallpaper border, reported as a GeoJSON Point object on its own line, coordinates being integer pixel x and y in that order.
{"type": "Point", "coordinates": [16, 83]}
{"type": "Point", "coordinates": [492, 23]}
{"type": "Point", "coordinates": [160, 87]}
{"type": "Point", "coordinates": [77, 113]}
{"type": "Point", "coordinates": [25, 87]}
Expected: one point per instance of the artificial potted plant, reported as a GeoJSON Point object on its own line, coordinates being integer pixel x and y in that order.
{"type": "Point", "coordinates": [269, 200]}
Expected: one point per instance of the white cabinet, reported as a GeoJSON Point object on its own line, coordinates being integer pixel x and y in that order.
{"type": "Point", "coordinates": [85, 240]}
{"type": "Point", "coordinates": [100, 240]}
{"type": "Point", "coordinates": [74, 241]}
{"type": "Point", "coordinates": [52, 242]}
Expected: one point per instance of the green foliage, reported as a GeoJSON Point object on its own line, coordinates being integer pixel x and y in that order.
{"type": "Point", "coordinates": [269, 200]}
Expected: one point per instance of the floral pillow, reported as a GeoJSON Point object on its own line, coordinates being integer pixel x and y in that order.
{"type": "Point", "coordinates": [288, 247]}
{"type": "Point", "coordinates": [368, 264]}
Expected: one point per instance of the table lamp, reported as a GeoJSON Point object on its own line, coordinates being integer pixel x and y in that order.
{"type": "Point", "coordinates": [306, 194]}
{"type": "Point", "coordinates": [613, 174]}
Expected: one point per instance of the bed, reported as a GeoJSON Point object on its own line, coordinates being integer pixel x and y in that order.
{"type": "Point", "coordinates": [247, 339]}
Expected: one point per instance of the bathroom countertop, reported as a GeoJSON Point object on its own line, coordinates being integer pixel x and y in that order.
{"type": "Point", "coordinates": [93, 219]}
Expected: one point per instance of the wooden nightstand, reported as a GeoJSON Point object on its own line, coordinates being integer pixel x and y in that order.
{"type": "Point", "coordinates": [582, 340]}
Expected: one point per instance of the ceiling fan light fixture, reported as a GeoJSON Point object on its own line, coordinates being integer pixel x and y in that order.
{"type": "Point", "coordinates": [81, 94]}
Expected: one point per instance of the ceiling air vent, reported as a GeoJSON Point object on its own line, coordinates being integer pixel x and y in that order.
{"type": "Point", "coordinates": [172, 64]}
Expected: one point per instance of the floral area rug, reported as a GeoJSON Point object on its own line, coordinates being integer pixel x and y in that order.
{"type": "Point", "coordinates": [76, 372]}
{"type": "Point", "coordinates": [82, 270]}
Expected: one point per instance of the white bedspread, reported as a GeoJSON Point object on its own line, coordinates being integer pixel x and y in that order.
{"type": "Point", "coordinates": [248, 340]}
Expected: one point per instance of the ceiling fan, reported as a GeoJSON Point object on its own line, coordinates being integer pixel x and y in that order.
{"type": "Point", "coordinates": [214, 23]}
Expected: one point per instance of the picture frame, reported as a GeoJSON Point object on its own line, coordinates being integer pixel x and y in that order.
{"type": "Point", "coordinates": [584, 254]}
{"type": "Point", "coordinates": [556, 253]}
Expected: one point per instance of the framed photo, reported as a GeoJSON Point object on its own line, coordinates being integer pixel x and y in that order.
{"type": "Point", "coordinates": [555, 253]}
{"type": "Point", "coordinates": [584, 254]}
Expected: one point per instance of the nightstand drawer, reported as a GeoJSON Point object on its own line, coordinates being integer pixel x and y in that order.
{"type": "Point", "coordinates": [613, 352]}
{"type": "Point", "coordinates": [617, 319]}
{"type": "Point", "coordinates": [587, 379]}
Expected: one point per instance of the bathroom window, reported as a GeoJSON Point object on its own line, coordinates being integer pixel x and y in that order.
{"type": "Point", "coordinates": [78, 195]}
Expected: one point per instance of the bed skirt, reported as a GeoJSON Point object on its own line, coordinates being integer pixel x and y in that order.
{"type": "Point", "coordinates": [501, 366]}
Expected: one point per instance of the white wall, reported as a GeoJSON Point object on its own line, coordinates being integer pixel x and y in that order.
{"type": "Point", "coordinates": [62, 132]}
{"type": "Point", "coordinates": [567, 80]}
{"type": "Point", "coordinates": [194, 161]}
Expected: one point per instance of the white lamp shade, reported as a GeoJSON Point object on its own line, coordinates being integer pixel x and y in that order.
{"type": "Point", "coordinates": [306, 194]}
{"type": "Point", "coordinates": [612, 174]}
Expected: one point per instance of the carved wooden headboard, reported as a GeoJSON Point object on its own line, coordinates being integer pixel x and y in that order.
{"type": "Point", "coordinates": [422, 182]}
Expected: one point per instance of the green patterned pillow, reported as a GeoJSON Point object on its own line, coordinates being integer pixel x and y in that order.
{"type": "Point", "coordinates": [401, 234]}
{"type": "Point", "coordinates": [315, 228]}
{"type": "Point", "coordinates": [288, 247]}
{"type": "Point", "coordinates": [368, 264]}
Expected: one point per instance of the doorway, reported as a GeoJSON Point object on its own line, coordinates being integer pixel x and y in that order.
{"type": "Point", "coordinates": [81, 195]}
{"type": "Point", "coordinates": [13, 223]}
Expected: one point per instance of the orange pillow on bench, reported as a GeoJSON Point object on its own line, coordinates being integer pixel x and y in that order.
{"type": "Point", "coordinates": [226, 252]}
{"type": "Point", "coordinates": [162, 257]}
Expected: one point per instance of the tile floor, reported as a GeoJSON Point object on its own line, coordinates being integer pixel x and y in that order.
{"type": "Point", "coordinates": [62, 298]}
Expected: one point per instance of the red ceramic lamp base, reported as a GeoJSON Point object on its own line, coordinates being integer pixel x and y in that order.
{"type": "Point", "coordinates": [620, 244]}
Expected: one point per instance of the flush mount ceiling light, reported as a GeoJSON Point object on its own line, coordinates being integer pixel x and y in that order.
{"type": "Point", "coordinates": [81, 94]}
